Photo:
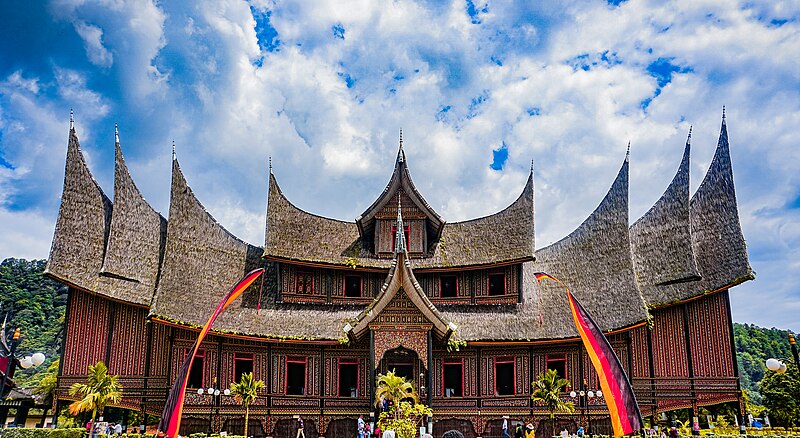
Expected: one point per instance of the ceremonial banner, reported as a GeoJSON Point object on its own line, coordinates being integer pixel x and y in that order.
{"type": "Point", "coordinates": [617, 391]}
{"type": "Point", "coordinates": [173, 410]}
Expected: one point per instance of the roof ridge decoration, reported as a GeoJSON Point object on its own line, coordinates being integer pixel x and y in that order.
{"type": "Point", "coordinates": [595, 262]}
{"type": "Point", "coordinates": [717, 238]}
{"type": "Point", "coordinates": [201, 260]}
{"type": "Point", "coordinates": [661, 240]}
{"type": "Point", "coordinates": [82, 227]}
{"type": "Point", "coordinates": [400, 180]}
{"type": "Point", "coordinates": [400, 279]}
{"type": "Point", "coordinates": [136, 239]}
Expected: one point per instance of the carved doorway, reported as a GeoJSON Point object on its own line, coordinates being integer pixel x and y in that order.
{"type": "Point", "coordinates": [405, 363]}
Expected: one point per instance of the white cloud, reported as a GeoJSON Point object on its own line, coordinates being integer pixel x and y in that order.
{"type": "Point", "coordinates": [93, 41]}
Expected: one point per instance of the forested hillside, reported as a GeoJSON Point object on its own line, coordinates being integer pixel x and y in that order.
{"type": "Point", "coordinates": [754, 345]}
{"type": "Point", "coordinates": [36, 305]}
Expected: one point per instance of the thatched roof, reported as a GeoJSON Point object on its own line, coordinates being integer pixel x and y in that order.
{"type": "Point", "coordinates": [293, 234]}
{"type": "Point", "coordinates": [84, 218]}
{"type": "Point", "coordinates": [400, 180]}
{"type": "Point", "coordinates": [661, 240]}
{"type": "Point", "coordinates": [136, 241]}
{"type": "Point", "coordinates": [594, 261]}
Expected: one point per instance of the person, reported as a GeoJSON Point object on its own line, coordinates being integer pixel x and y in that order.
{"type": "Point", "coordinates": [663, 434]}
{"type": "Point", "coordinates": [564, 434]}
{"type": "Point", "coordinates": [300, 432]}
{"type": "Point", "coordinates": [376, 432]}
{"type": "Point", "coordinates": [529, 432]}
{"type": "Point", "coordinates": [118, 429]}
{"type": "Point", "coordinates": [505, 427]}
{"type": "Point", "coordinates": [389, 434]}
{"type": "Point", "coordinates": [579, 432]}
{"type": "Point", "coordinates": [673, 432]}
{"type": "Point", "coordinates": [361, 426]}
{"type": "Point", "coordinates": [518, 431]}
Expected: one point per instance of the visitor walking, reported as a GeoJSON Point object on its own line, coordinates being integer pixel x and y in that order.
{"type": "Point", "coordinates": [361, 425]}
{"type": "Point", "coordinates": [300, 426]}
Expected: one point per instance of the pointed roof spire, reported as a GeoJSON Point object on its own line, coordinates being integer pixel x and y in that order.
{"type": "Point", "coordinates": [173, 150]}
{"type": "Point", "coordinates": [270, 164]}
{"type": "Point", "coordinates": [723, 113]}
{"type": "Point", "coordinates": [116, 133]}
{"type": "Point", "coordinates": [531, 166]}
{"type": "Point", "coordinates": [401, 155]}
{"type": "Point", "coordinates": [400, 243]}
{"type": "Point", "coordinates": [628, 153]}
{"type": "Point", "coordinates": [71, 120]}
{"type": "Point", "coordinates": [689, 138]}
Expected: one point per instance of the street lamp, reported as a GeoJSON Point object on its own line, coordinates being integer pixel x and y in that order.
{"type": "Point", "coordinates": [586, 396]}
{"type": "Point", "coordinates": [25, 362]}
{"type": "Point", "coordinates": [215, 394]}
{"type": "Point", "coordinates": [779, 365]}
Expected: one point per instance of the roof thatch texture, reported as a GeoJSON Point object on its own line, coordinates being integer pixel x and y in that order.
{"type": "Point", "coordinates": [84, 217]}
{"type": "Point", "coordinates": [294, 234]}
{"type": "Point", "coordinates": [661, 240]}
{"type": "Point", "coordinates": [203, 261]}
{"type": "Point", "coordinates": [136, 241]}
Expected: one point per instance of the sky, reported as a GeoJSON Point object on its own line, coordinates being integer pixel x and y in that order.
{"type": "Point", "coordinates": [480, 90]}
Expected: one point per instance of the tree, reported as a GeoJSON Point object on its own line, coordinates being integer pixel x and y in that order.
{"type": "Point", "coordinates": [780, 396]}
{"type": "Point", "coordinates": [245, 392]}
{"type": "Point", "coordinates": [547, 389]}
{"type": "Point", "coordinates": [392, 387]}
{"type": "Point", "coordinates": [99, 390]}
{"type": "Point", "coordinates": [48, 384]}
{"type": "Point", "coordinates": [405, 419]}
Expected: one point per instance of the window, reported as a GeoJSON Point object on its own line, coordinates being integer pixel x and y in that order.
{"type": "Point", "coordinates": [403, 370]}
{"type": "Point", "coordinates": [304, 283]}
{"type": "Point", "coordinates": [348, 378]}
{"type": "Point", "coordinates": [352, 286]}
{"type": "Point", "coordinates": [196, 372]}
{"type": "Point", "coordinates": [405, 233]}
{"type": "Point", "coordinates": [453, 379]}
{"type": "Point", "coordinates": [558, 363]}
{"type": "Point", "coordinates": [296, 376]}
{"type": "Point", "coordinates": [449, 286]}
{"type": "Point", "coordinates": [242, 364]}
{"type": "Point", "coordinates": [497, 284]}
{"type": "Point", "coordinates": [504, 376]}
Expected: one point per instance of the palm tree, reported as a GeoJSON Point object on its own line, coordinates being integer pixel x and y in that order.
{"type": "Point", "coordinates": [392, 387]}
{"type": "Point", "coordinates": [99, 389]}
{"type": "Point", "coordinates": [245, 392]}
{"type": "Point", "coordinates": [547, 389]}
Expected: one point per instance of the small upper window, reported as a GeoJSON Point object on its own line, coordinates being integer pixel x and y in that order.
{"type": "Point", "coordinates": [497, 284]}
{"type": "Point", "coordinates": [558, 363]}
{"type": "Point", "coordinates": [449, 286]}
{"type": "Point", "coordinates": [296, 376]}
{"type": "Point", "coordinates": [242, 364]}
{"type": "Point", "coordinates": [196, 372]}
{"type": "Point", "coordinates": [352, 286]}
{"type": "Point", "coordinates": [504, 376]}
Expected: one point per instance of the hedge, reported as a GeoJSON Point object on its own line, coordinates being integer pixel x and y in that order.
{"type": "Point", "coordinates": [43, 433]}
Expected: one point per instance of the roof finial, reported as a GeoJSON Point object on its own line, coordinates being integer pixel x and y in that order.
{"type": "Point", "coordinates": [71, 119]}
{"type": "Point", "coordinates": [116, 133]}
{"type": "Point", "coordinates": [723, 113]}
{"type": "Point", "coordinates": [400, 242]}
{"type": "Point", "coordinates": [689, 138]}
{"type": "Point", "coordinates": [628, 153]}
{"type": "Point", "coordinates": [400, 154]}
{"type": "Point", "coordinates": [173, 150]}
{"type": "Point", "coordinates": [270, 164]}
{"type": "Point", "coordinates": [531, 166]}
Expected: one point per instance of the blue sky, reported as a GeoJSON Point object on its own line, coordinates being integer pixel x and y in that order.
{"type": "Point", "coordinates": [479, 88]}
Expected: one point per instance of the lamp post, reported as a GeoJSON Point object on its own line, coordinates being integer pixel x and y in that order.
{"type": "Point", "coordinates": [12, 360]}
{"type": "Point", "coordinates": [779, 365]}
{"type": "Point", "coordinates": [215, 394]}
{"type": "Point", "coordinates": [583, 397]}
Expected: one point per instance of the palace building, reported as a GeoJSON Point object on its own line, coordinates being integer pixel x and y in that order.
{"type": "Point", "coordinates": [453, 306]}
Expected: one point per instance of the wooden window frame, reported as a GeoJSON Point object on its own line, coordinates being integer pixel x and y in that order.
{"type": "Point", "coordinates": [297, 275]}
{"type": "Point", "coordinates": [295, 359]}
{"type": "Point", "coordinates": [360, 285]}
{"type": "Point", "coordinates": [551, 357]}
{"type": "Point", "coordinates": [200, 353]}
{"type": "Point", "coordinates": [406, 234]}
{"type": "Point", "coordinates": [348, 361]}
{"type": "Point", "coordinates": [504, 360]}
{"type": "Point", "coordinates": [489, 284]}
{"type": "Point", "coordinates": [244, 356]}
{"type": "Point", "coordinates": [463, 382]}
{"type": "Point", "coordinates": [441, 288]}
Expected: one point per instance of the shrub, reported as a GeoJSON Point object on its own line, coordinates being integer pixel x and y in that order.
{"type": "Point", "coordinates": [453, 434]}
